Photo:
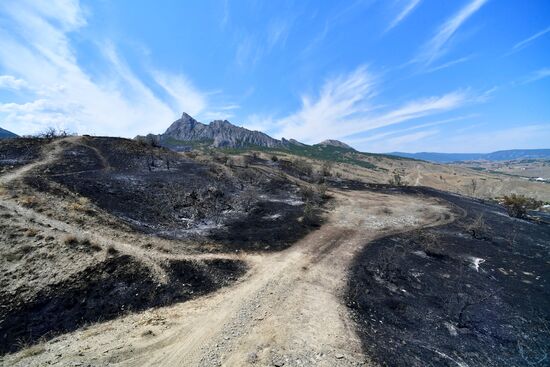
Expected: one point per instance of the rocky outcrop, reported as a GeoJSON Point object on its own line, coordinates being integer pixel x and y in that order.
{"type": "Point", "coordinates": [221, 133]}
{"type": "Point", "coordinates": [334, 143]}
{"type": "Point", "coordinates": [290, 142]}
{"type": "Point", "coordinates": [187, 132]}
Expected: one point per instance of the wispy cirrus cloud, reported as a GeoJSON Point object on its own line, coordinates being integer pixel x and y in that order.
{"type": "Point", "coordinates": [436, 46]}
{"type": "Point", "coordinates": [530, 136]}
{"type": "Point", "coordinates": [522, 44]}
{"type": "Point", "coordinates": [345, 106]}
{"type": "Point", "coordinates": [383, 136]}
{"type": "Point", "coordinates": [405, 12]}
{"type": "Point", "coordinates": [537, 75]}
{"type": "Point", "coordinates": [253, 46]}
{"type": "Point", "coordinates": [183, 94]}
{"type": "Point", "coordinates": [277, 32]}
{"type": "Point", "coordinates": [449, 64]}
{"type": "Point", "coordinates": [38, 54]}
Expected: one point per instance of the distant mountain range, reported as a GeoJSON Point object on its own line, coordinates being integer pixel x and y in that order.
{"type": "Point", "coordinates": [6, 134]}
{"type": "Point", "coordinates": [187, 132]}
{"type": "Point", "coordinates": [502, 155]}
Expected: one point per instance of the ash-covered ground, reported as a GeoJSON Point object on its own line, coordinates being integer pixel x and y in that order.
{"type": "Point", "coordinates": [18, 152]}
{"type": "Point", "coordinates": [475, 292]}
{"type": "Point", "coordinates": [93, 228]}
{"type": "Point", "coordinates": [166, 194]}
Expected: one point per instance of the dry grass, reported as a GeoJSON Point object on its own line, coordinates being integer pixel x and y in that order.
{"type": "Point", "coordinates": [74, 241]}
{"type": "Point", "coordinates": [81, 205]}
{"type": "Point", "coordinates": [29, 201]}
{"type": "Point", "coordinates": [31, 232]}
{"type": "Point", "coordinates": [30, 351]}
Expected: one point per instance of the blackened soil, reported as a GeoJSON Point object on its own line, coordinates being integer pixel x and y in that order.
{"type": "Point", "coordinates": [18, 152]}
{"type": "Point", "coordinates": [119, 285]}
{"type": "Point", "coordinates": [420, 300]}
{"type": "Point", "coordinates": [160, 192]}
{"type": "Point", "coordinates": [269, 226]}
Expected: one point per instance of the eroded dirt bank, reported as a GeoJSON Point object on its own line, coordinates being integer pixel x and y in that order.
{"type": "Point", "coordinates": [474, 292]}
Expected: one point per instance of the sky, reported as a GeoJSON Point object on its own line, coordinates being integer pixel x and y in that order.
{"type": "Point", "coordinates": [382, 76]}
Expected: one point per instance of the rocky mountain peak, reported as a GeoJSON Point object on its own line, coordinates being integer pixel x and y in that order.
{"type": "Point", "coordinates": [221, 132]}
{"type": "Point", "coordinates": [335, 143]}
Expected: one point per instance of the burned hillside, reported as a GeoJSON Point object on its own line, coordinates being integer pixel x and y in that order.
{"type": "Point", "coordinates": [74, 204]}
{"type": "Point", "coordinates": [164, 193]}
{"type": "Point", "coordinates": [472, 292]}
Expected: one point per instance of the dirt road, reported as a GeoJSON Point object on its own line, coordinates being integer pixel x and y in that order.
{"type": "Point", "coordinates": [288, 310]}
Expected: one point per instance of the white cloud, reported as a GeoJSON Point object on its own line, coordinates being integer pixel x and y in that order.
{"type": "Point", "coordinates": [385, 135]}
{"type": "Point", "coordinates": [409, 7]}
{"type": "Point", "coordinates": [277, 32]}
{"type": "Point", "coordinates": [11, 82]}
{"type": "Point", "coordinates": [38, 51]}
{"type": "Point", "coordinates": [474, 141]}
{"type": "Point", "coordinates": [537, 75]}
{"type": "Point", "coordinates": [400, 141]}
{"type": "Point", "coordinates": [523, 137]}
{"type": "Point", "coordinates": [182, 92]}
{"type": "Point", "coordinates": [520, 45]}
{"type": "Point", "coordinates": [436, 46]}
{"type": "Point", "coordinates": [449, 64]}
{"type": "Point", "coordinates": [225, 17]}
{"type": "Point", "coordinates": [344, 107]}
{"type": "Point", "coordinates": [248, 51]}
{"type": "Point", "coordinates": [258, 122]}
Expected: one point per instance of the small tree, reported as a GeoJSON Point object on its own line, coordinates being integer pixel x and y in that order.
{"type": "Point", "coordinates": [51, 133]}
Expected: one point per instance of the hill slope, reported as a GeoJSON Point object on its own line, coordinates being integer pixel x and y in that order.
{"type": "Point", "coordinates": [6, 134]}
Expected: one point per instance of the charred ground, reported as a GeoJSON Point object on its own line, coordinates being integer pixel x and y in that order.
{"type": "Point", "coordinates": [94, 228]}
{"type": "Point", "coordinates": [82, 221]}
{"type": "Point", "coordinates": [167, 194]}
{"type": "Point", "coordinates": [473, 292]}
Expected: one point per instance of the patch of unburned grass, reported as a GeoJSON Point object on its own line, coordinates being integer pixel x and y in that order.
{"type": "Point", "coordinates": [81, 205]}
{"type": "Point", "coordinates": [29, 201]}
{"type": "Point", "coordinates": [30, 351]}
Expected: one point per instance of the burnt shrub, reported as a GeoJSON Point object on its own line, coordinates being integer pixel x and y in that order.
{"type": "Point", "coordinates": [478, 228]}
{"type": "Point", "coordinates": [517, 205]}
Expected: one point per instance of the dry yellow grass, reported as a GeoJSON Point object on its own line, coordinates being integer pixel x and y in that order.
{"type": "Point", "coordinates": [82, 204]}
{"type": "Point", "coordinates": [29, 201]}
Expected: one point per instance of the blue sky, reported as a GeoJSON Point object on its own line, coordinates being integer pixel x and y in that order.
{"type": "Point", "coordinates": [387, 75]}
